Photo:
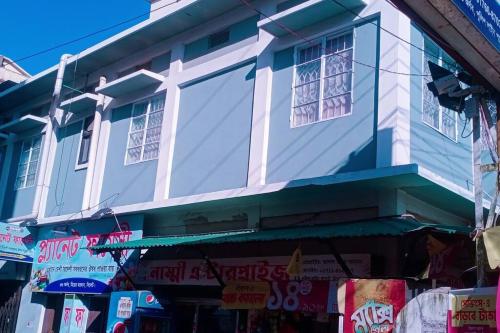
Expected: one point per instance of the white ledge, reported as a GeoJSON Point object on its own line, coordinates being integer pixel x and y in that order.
{"type": "Point", "coordinates": [130, 83]}
{"type": "Point", "coordinates": [80, 103]}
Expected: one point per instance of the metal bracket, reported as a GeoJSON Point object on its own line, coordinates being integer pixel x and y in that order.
{"type": "Point", "coordinates": [116, 257]}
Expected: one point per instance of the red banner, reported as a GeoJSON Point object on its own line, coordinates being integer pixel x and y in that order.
{"type": "Point", "coordinates": [371, 306]}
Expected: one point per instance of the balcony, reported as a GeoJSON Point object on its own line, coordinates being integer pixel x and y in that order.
{"type": "Point", "coordinates": [130, 83]}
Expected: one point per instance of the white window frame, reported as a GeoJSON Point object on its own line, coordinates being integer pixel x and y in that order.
{"type": "Point", "coordinates": [84, 165]}
{"type": "Point", "coordinates": [440, 108]}
{"type": "Point", "coordinates": [322, 41]}
{"type": "Point", "coordinates": [147, 114]}
{"type": "Point", "coordinates": [26, 173]}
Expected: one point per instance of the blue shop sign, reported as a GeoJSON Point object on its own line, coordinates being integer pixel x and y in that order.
{"type": "Point", "coordinates": [485, 15]}
{"type": "Point", "coordinates": [63, 261]}
{"type": "Point", "coordinates": [16, 243]}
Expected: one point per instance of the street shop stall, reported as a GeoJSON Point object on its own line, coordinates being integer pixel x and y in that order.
{"type": "Point", "coordinates": [243, 281]}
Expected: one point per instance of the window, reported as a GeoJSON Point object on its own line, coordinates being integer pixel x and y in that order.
{"type": "Point", "coordinates": [441, 119]}
{"type": "Point", "coordinates": [28, 163]}
{"type": "Point", "coordinates": [323, 80]}
{"type": "Point", "coordinates": [86, 137]}
{"type": "Point", "coordinates": [218, 38]}
{"type": "Point", "coordinates": [147, 65]}
{"type": "Point", "coordinates": [145, 131]}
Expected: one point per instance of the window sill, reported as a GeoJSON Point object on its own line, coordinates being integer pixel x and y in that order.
{"type": "Point", "coordinates": [81, 166]}
{"type": "Point", "coordinates": [438, 131]}
{"type": "Point", "coordinates": [142, 161]}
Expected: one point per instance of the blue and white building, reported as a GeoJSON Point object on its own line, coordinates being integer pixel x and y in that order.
{"type": "Point", "coordinates": [230, 114]}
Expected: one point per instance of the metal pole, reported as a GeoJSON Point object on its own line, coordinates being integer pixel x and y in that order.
{"type": "Point", "coordinates": [478, 198]}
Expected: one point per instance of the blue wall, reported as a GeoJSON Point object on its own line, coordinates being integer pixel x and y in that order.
{"type": "Point", "coordinates": [18, 202]}
{"type": "Point", "coordinates": [429, 148]}
{"type": "Point", "coordinates": [213, 133]}
{"type": "Point", "coordinates": [125, 184]}
{"type": "Point", "coordinates": [66, 184]}
{"type": "Point", "coordinates": [332, 146]}
{"type": "Point", "coordinates": [237, 32]}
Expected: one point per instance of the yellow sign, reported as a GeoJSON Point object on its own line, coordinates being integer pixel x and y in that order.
{"type": "Point", "coordinates": [473, 310]}
{"type": "Point", "coordinates": [492, 244]}
{"type": "Point", "coordinates": [295, 265]}
{"type": "Point", "coordinates": [245, 295]}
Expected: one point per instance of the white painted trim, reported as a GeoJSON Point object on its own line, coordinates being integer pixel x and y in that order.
{"type": "Point", "coordinates": [6, 169]}
{"type": "Point", "coordinates": [169, 127]}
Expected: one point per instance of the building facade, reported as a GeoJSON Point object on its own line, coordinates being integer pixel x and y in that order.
{"type": "Point", "coordinates": [216, 116]}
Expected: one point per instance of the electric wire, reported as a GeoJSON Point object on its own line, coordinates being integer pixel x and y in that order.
{"type": "Point", "coordinates": [313, 42]}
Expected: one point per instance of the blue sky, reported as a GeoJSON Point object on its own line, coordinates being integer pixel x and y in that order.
{"type": "Point", "coordinates": [31, 26]}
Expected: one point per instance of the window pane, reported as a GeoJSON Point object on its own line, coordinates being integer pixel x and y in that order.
{"type": "Point", "coordinates": [309, 53]}
{"type": "Point", "coordinates": [133, 155]}
{"type": "Point", "coordinates": [307, 73]}
{"type": "Point", "coordinates": [449, 124]}
{"type": "Point", "coordinates": [305, 114]}
{"type": "Point", "coordinates": [337, 85]}
{"type": "Point", "coordinates": [153, 135]}
{"type": "Point", "coordinates": [140, 109]}
{"type": "Point", "coordinates": [83, 158]}
{"type": "Point", "coordinates": [35, 154]}
{"type": "Point", "coordinates": [21, 171]}
{"type": "Point", "coordinates": [32, 168]}
{"type": "Point", "coordinates": [37, 142]}
{"type": "Point", "coordinates": [338, 63]}
{"type": "Point", "coordinates": [25, 155]}
{"type": "Point", "coordinates": [155, 119]}
{"type": "Point", "coordinates": [336, 106]}
{"type": "Point", "coordinates": [19, 182]}
{"type": "Point", "coordinates": [30, 180]}
{"type": "Point", "coordinates": [157, 104]}
{"type": "Point", "coordinates": [348, 41]}
{"type": "Point", "coordinates": [135, 139]}
{"type": "Point", "coordinates": [138, 123]}
{"type": "Point", "coordinates": [151, 151]}
{"type": "Point", "coordinates": [307, 93]}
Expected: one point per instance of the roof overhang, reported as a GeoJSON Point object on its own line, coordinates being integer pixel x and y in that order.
{"type": "Point", "coordinates": [23, 124]}
{"type": "Point", "coordinates": [305, 14]}
{"type": "Point", "coordinates": [130, 83]}
{"type": "Point", "coordinates": [80, 103]}
{"type": "Point", "coordinates": [462, 39]}
{"type": "Point", "coordinates": [180, 17]}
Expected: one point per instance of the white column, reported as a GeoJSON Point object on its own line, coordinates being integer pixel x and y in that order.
{"type": "Point", "coordinates": [393, 142]}
{"type": "Point", "coordinates": [257, 166]}
{"type": "Point", "coordinates": [94, 142]}
{"type": "Point", "coordinates": [169, 126]}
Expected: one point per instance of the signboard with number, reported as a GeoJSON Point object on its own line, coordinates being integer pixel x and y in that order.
{"type": "Point", "coordinates": [472, 310]}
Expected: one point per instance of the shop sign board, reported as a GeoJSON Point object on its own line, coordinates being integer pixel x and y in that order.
{"type": "Point", "coordinates": [16, 243]}
{"type": "Point", "coordinates": [371, 305]}
{"type": "Point", "coordinates": [196, 271]}
{"type": "Point", "coordinates": [65, 263]}
{"type": "Point", "coordinates": [245, 295]}
{"type": "Point", "coordinates": [472, 310]}
{"type": "Point", "coordinates": [485, 15]}
{"type": "Point", "coordinates": [74, 315]}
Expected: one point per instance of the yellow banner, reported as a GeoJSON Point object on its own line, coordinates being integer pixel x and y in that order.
{"type": "Point", "coordinates": [245, 295]}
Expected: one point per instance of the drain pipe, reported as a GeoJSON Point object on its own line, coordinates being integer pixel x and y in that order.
{"type": "Point", "coordinates": [94, 143]}
{"type": "Point", "coordinates": [44, 173]}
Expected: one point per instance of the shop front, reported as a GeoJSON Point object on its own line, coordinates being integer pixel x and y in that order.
{"type": "Point", "coordinates": [16, 255]}
{"type": "Point", "coordinates": [243, 282]}
{"type": "Point", "coordinates": [74, 280]}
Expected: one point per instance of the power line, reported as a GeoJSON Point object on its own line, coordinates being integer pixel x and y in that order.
{"type": "Point", "coordinates": [312, 42]}
{"type": "Point", "coordinates": [93, 33]}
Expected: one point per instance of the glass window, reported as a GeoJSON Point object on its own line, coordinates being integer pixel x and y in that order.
{"type": "Point", "coordinates": [85, 140]}
{"type": "Point", "coordinates": [145, 130]}
{"type": "Point", "coordinates": [323, 80]}
{"type": "Point", "coordinates": [28, 163]}
{"type": "Point", "coordinates": [441, 119]}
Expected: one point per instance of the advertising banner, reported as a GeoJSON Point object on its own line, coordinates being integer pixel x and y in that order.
{"type": "Point", "coordinates": [74, 315]}
{"type": "Point", "coordinates": [371, 306]}
{"type": "Point", "coordinates": [64, 262]}
{"type": "Point", "coordinates": [16, 243]}
{"type": "Point", "coordinates": [196, 272]}
{"type": "Point", "coordinates": [245, 295]}
{"type": "Point", "coordinates": [472, 310]}
{"type": "Point", "coordinates": [304, 295]}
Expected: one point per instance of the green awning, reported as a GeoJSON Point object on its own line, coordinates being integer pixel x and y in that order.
{"type": "Point", "coordinates": [387, 227]}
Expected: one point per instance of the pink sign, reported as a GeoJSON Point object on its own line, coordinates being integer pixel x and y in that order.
{"type": "Point", "coordinates": [196, 272]}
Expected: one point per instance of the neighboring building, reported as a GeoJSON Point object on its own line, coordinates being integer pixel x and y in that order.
{"type": "Point", "coordinates": [221, 116]}
{"type": "Point", "coordinates": [10, 73]}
